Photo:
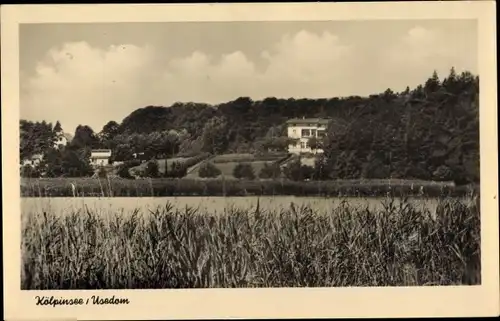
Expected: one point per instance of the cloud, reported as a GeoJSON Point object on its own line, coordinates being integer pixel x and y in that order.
{"type": "Point", "coordinates": [421, 51]}
{"type": "Point", "coordinates": [305, 54]}
{"type": "Point", "coordinates": [80, 84]}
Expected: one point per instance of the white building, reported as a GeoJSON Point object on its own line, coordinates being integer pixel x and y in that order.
{"type": "Point", "coordinates": [100, 157]}
{"type": "Point", "coordinates": [33, 161]}
{"type": "Point", "coordinates": [61, 140]}
{"type": "Point", "coordinates": [302, 130]}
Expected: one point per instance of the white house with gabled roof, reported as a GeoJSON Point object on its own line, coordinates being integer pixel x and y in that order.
{"type": "Point", "coordinates": [302, 129]}
{"type": "Point", "coordinates": [62, 139]}
{"type": "Point", "coordinates": [100, 157]}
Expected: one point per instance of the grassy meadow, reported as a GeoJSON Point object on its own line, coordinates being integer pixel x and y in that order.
{"type": "Point", "coordinates": [227, 168]}
{"type": "Point", "coordinates": [395, 245]}
{"type": "Point", "coordinates": [226, 163]}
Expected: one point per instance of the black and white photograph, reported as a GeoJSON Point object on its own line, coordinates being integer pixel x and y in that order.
{"type": "Point", "coordinates": [249, 154]}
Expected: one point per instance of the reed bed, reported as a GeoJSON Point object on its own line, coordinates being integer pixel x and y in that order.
{"type": "Point", "coordinates": [62, 187]}
{"type": "Point", "coordinates": [398, 245]}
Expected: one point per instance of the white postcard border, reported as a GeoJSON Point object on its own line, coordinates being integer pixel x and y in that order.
{"type": "Point", "coordinates": [256, 303]}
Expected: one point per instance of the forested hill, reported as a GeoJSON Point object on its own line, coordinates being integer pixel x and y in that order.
{"type": "Point", "coordinates": [427, 132]}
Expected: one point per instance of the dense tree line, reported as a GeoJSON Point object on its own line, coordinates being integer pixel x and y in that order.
{"type": "Point", "coordinates": [70, 160]}
{"type": "Point", "coordinates": [428, 132]}
{"type": "Point", "coordinates": [431, 132]}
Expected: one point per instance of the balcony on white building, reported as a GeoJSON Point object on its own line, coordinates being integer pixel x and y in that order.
{"type": "Point", "coordinates": [301, 130]}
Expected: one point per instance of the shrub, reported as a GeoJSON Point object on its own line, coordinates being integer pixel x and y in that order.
{"type": "Point", "coordinates": [208, 170]}
{"type": "Point", "coordinates": [152, 169]}
{"type": "Point", "coordinates": [123, 172]}
{"type": "Point", "coordinates": [442, 173]}
{"type": "Point", "coordinates": [307, 171]}
{"type": "Point", "coordinates": [295, 171]}
{"type": "Point", "coordinates": [320, 168]}
{"type": "Point", "coordinates": [177, 170]}
{"type": "Point", "coordinates": [270, 171]}
{"type": "Point", "coordinates": [244, 170]}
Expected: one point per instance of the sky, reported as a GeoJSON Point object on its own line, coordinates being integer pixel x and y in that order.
{"type": "Point", "coordinates": [91, 73]}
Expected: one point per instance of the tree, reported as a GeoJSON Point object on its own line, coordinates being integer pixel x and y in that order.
{"type": "Point", "coordinates": [52, 163]}
{"type": "Point", "coordinates": [214, 136]}
{"type": "Point", "coordinates": [122, 152]}
{"type": "Point", "coordinates": [59, 135]}
{"type": "Point", "coordinates": [279, 144]}
{"type": "Point", "coordinates": [315, 143]}
{"type": "Point", "coordinates": [76, 163]}
{"type": "Point", "coordinates": [293, 171]}
{"type": "Point", "coordinates": [57, 128]}
{"type": "Point", "coordinates": [450, 83]}
{"type": "Point", "coordinates": [67, 163]}
{"type": "Point", "coordinates": [320, 168]}
{"type": "Point", "coordinates": [432, 84]}
{"type": "Point", "coordinates": [244, 170]}
{"type": "Point", "coordinates": [109, 132]}
{"type": "Point", "coordinates": [412, 134]}
{"type": "Point", "coordinates": [389, 94]}
{"type": "Point", "coordinates": [85, 138]}
{"type": "Point", "coordinates": [208, 170]}
{"type": "Point", "coordinates": [35, 138]}
{"type": "Point", "coordinates": [276, 131]}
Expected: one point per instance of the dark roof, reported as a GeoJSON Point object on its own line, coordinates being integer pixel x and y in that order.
{"type": "Point", "coordinates": [323, 121]}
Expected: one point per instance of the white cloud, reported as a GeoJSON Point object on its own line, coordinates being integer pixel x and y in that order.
{"type": "Point", "coordinates": [78, 84]}
{"type": "Point", "coordinates": [421, 51]}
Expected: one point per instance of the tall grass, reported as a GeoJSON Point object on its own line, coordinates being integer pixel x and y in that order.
{"type": "Point", "coordinates": [61, 187]}
{"type": "Point", "coordinates": [297, 247]}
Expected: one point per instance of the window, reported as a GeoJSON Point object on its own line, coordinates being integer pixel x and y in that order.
{"type": "Point", "coordinates": [302, 145]}
{"type": "Point", "coordinates": [313, 132]}
{"type": "Point", "coordinates": [321, 133]}
{"type": "Point", "coordinates": [306, 133]}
